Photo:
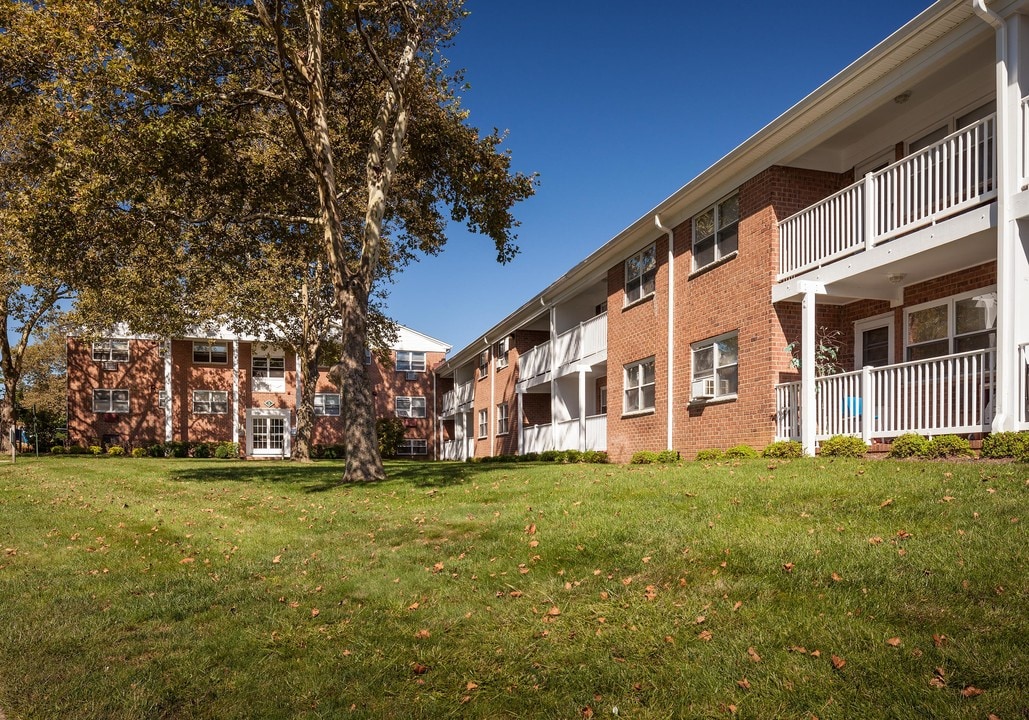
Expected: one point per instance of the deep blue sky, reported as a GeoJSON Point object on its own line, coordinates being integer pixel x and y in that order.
{"type": "Point", "coordinates": [617, 106]}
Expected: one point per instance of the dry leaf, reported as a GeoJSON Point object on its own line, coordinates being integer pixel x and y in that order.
{"type": "Point", "coordinates": [413, 606]}
{"type": "Point", "coordinates": [939, 640]}
{"type": "Point", "coordinates": [838, 662]}
{"type": "Point", "coordinates": [816, 653]}
{"type": "Point", "coordinates": [788, 567]}
{"type": "Point", "coordinates": [885, 503]}
{"type": "Point", "coordinates": [419, 669]}
{"type": "Point", "coordinates": [315, 612]}
{"type": "Point", "coordinates": [836, 577]}
{"type": "Point", "coordinates": [587, 712]}
{"type": "Point", "coordinates": [187, 561]}
{"type": "Point", "coordinates": [423, 634]}
{"type": "Point", "coordinates": [650, 593]}
{"type": "Point", "coordinates": [894, 642]}
{"type": "Point", "coordinates": [471, 686]}
{"type": "Point", "coordinates": [438, 567]}
{"type": "Point", "coordinates": [700, 619]}
{"type": "Point", "coordinates": [799, 649]}
{"type": "Point", "coordinates": [554, 611]}
{"type": "Point", "coordinates": [515, 593]}
{"type": "Point", "coordinates": [971, 691]}
{"type": "Point", "coordinates": [277, 559]}
{"type": "Point", "coordinates": [937, 682]}
{"type": "Point", "coordinates": [744, 683]}
{"type": "Point", "coordinates": [531, 529]}
{"type": "Point", "coordinates": [737, 606]}
{"type": "Point", "coordinates": [754, 657]}
{"type": "Point", "coordinates": [705, 636]}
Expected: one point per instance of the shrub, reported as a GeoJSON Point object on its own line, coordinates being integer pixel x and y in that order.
{"type": "Point", "coordinates": [1005, 445]}
{"type": "Point", "coordinates": [908, 445]}
{"type": "Point", "coordinates": [57, 450]}
{"type": "Point", "coordinates": [156, 451]}
{"type": "Point", "coordinates": [844, 446]}
{"type": "Point", "coordinates": [176, 449]}
{"type": "Point", "coordinates": [551, 456]}
{"type": "Point", "coordinates": [77, 450]}
{"type": "Point", "coordinates": [948, 446]}
{"type": "Point", "coordinates": [598, 457]}
{"type": "Point", "coordinates": [390, 432]}
{"type": "Point", "coordinates": [710, 454]}
{"type": "Point", "coordinates": [226, 450]}
{"type": "Point", "coordinates": [783, 450]}
{"type": "Point", "coordinates": [741, 452]}
{"type": "Point", "coordinates": [328, 452]}
{"type": "Point", "coordinates": [139, 452]}
{"type": "Point", "coordinates": [668, 456]}
{"type": "Point", "coordinates": [644, 457]}
{"type": "Point", "coordinates": [530, 457]}
{"type": "Point", "coordinates": [202, 450]}
{"type": "Point", "coordinates": [573, 456]}
{"type": "Point", "coordinates": [96, 450]}
{"type": "Point", "coordinates": [116, 451]}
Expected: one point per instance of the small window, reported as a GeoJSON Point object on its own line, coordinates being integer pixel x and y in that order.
{"type": "Point", "coordinates": [215, 352]}
{"type": "Point", "coordinates": [413, 446]}
{"type": "Point", "coordinates": [411, 407]}
{"type": "Point", "coordinates": [502, 349]}
{"type": "Point", "coordinates": [162, 399]}
{"type": "Point", "coordinates": [109, 350]}
{"type": "Point", "coordinates": [502, 419]}
{"type": "Point", "coordinates": [954, 325]}
{"type": "Point", "coordinates": [483, 423]}
{"type": "Point", "coordinates": [269, 366]}
{"type": "Point", "coordinates": [600, 309]}
{"type": "Point", "coordinates": [367, 356]}
{"type": "Point", "coordinates": [484, 363]}
{"type": "Point", "coordinates": [210, 402]}
{"type": "Point", "coordinates": [640, 271]}
{"type": "Point", "coordinates": [715, 364]}
{"type": "Point", "coordinates": [715, 232]}
{"type": "Point", "coordinates": [110, 401]}
{"type": "Point", "coordinates": [639, 386]}
{"type": "Point", "coordinates": [326, 404]}
{"type": "Point", "coordinates": [408, 361]}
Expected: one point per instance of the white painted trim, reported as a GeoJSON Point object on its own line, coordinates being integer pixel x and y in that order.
{"type": "Point", "coordinates": [283, 413]}
{"type": "Point", "coordinates": [872, 323]}
{"type": "Point", "coordinates": [169, 396]}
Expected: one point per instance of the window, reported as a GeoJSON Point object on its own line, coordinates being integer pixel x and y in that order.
{"type": "Point", "coordinates": [639, 386]}
{"type": "Point", "coordinates": [502, 348]}
{"type": "Point", "coordinates": [483, 423]}
{"type": "Point", "coordinates": [210, 402]}
{"type": "Point", "coordinates": [412, 407]}
{"type": "Point", "coordinates": [640, 270]}
{"type": "Point", "coordinates": [211, 352]}
{"type": "Point", "coordinates": [408, 361]}
{"type": "Point", "coordinates": [111, 350]}
{"type": "Point", "coordinates": [326, 404]}
{"type": "Point", "coordinates": [269, 367]}
{"type": "Point", "coordinates": [162, 399]}
{"type": "Point", "coordinates": [484, 363]}
{"type": "Point", "coordinates": [367, 356]}
{"type": "Point", "coordinates": [955, 325]}
{"type": "Point", "coordinates": [110, 401]}
{"type": "Point", "coordinates": [715, 365]}
{"type": "Point", "coordinates": [600, 309]}
{"type": "Point", "coordinates": [715, 233]}
{"type": "Point", "coordinates": [502, 419]}
{"type": "Point", "coordinates": [413, 446]}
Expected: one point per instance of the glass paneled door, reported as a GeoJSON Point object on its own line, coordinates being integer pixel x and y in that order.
{"type": "Point", "coordinates": [268, 433]}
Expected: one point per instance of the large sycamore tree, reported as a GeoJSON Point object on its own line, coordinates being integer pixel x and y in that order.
{"type": "Point", "coordinates": [218, 126]}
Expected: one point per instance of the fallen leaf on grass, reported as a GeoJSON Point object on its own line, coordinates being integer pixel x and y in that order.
{"type": "Point", "coordinates": [971, 691]}
{"type": "Point", "coordinates": [587, 712]}
{"type": "Point", "coordinates": [276, 560]}
{"type": "Point", "coordinates": [413, 606]}
{"type": "Point", "coordinates": [705, 636]}
{"type": "Point", "coordinates": [423, 634]}
{"type": "Point", "coordinates": [530, 529]}
{"type": "Point", "coordinates": [744, 683]}
{"type": "Point", "coordinates": [798, 649]}
{"type": "Point", "coordinates": [886, 503]}
{"type": "Point", "coordinates": [187, 561]}
{"type": "Point", "coordinates": [788, 567]}
{"type": "Point", "coordinates": [419, 669]}
{"type": "Point", "coordinates": [471, 686]}
{"type": "Point", "coordinates": [939, 640]}
{"type": "Point", "coordinates": [315, 612]}
{"type": "Point", "coordinates": [650, 592]}
{"type": "Point", "coordinates": [903, 534]}
{"type": "Point", "coordinates": [836, 577]}
{"type": "Point", "coordinates": [838, 662]}
{"type": "Point", "coordinates": [554, 611]}
{"type": "Point", "coordinates": [894, 642]}
{"type": "Point", "coordinates": [754, 657]}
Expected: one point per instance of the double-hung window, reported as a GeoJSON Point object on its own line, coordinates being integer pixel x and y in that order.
{"type": "Point", "coordinates": [411, 407]}
{"type": "Point", "coordinates": [501, 350]}
{"type": "Point", "coordinates": [216, 352]}
{"type": "Point", "coordinates": [484, 363]}
{"type": "Point", "coordinates": [483, 423]}
{"type": "Point", "coordinates": [326, 404]}
{"type": "Point", "coordinates": [210, 402]}
{"type": "Point", "coordinates": [412, 446]}
{"type": "Point", "coordinates": [639, 386]}
{"type": "Point", "coordinates": [954, 325]}
{"type": "Point", "coordinates": [640, 270]}
{"type": "Point", "coordinates": [109, 350]}
{"type": "Point", "coordinates": [716, 232]}
{"type": "Point", "coordinates": [269, 373]}
{"type": "Point", "coordinates": [502, 419]}
{"type": "Point", "coordinates": [715, 364]}
{"type": "Point", "coordinates": [110, 401]}
{"type": "Point", "coordinates": [408, 361]}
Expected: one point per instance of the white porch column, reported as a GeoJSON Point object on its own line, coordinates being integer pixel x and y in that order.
{"type": "Point", "coordinates": [807, 365]}
{"type": "Point", "coordinates": [583, 369]}
{"type": "Point", "coordinates": [521, 422]}
{"type": "Point", "coordinates": [554, 438]}
{"type": "Point", "coordinates": [235, 391]}
{"type": "Point", "coordinates": [169, 404]}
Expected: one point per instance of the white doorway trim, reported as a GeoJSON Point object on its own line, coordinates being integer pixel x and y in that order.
{"type": "Point", "coordinates": [873, 323]}
{"type": "Point", "coordinates": [273, 434]}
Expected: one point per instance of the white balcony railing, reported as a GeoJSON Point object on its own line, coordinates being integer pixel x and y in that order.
{"type": "Point", "coordinates": [535, 362]}
{"type": "Point", "coordinates": [1024, 169]}
{"type": "Point", "coordinates": [585, 340]}
{"type": "Point", "coordinates": [537, 439]}
{"type": "Point", "coordinates": [596, 432]}
{"type": "Point", "coordinates": [1023, 386]}
{"type": "Point", "coordinates": [451, 450]}
{"type": "Point", "coordinates": [942, 180]}
{"type": "Point", "coordinates": [463, 394]}
{"type": "Point", "coordinates": [951, 394]}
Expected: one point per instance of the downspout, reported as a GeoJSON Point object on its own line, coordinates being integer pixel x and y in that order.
{"type": "Point", "coordinates": [1006, 277]}
{"type": "Point", "coordinates": [437, 437]}
{"type": "Point", "coordinates": [671, 328]}
{"type": "Point", "coordinates": [490, 419]}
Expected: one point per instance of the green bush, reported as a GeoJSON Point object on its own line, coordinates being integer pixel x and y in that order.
{"type": "Point", "coordinates": [96, 450]}
{"type": "Point", "coordinates": [597, 457]}
{"type": "Point", "coordinates": [226, 450]}
{"type": "Point", "coordinates": [1023, 456]}
{"type": "Point", "coordinates": [77, 450]}
{"type": "Point", "coordinates": [156, 450]}
{"type": "Point", "coordinates": [116, 451]}
{"type": "Point", "coordinates": [943, 446]}
{"type": "Point", "coordinates": [552, 456]}
{"type": "Point", "coordinates": [644, 457]}
{"type": "Point", "coordinates": [709, 455]}
{"type": "Point", "coordinates": [908, 445]}
{"type": "Point", "coordinates": [176, 449]}
{"type": "Point", "coordinates": [668, 457]}
{"type": "Point", "coordinates": [783, 450]}
{"type": "Point", "coordinates": [390, 432]}
{"type": "Point", "coordinates": [741, 452]}
{"type": "Point", "coordinates": [139, 452]}
{"type": "Point", "coordinates": [573, 456]}
{"type": "Point", "coordinates": [1005, 445]}
{"type": "Point", "coordinates": [202, 450]}
{"type": "Point", "coordinates": [530, 457]}
{"type": "Point", "coordinates": [843, 446]}
{"type": "Point", "coordinates": [57, 450]}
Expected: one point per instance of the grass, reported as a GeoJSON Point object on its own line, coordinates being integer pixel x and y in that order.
{"type": "Point", "coordinates": [750, 589]}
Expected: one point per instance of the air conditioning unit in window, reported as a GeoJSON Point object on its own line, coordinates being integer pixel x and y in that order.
{"type": "Point", "coordinates": [411, 375]}
{"type": "Point", "coordinates": [110, 365]}
{"type": "Point", "coordinates": [703, 388]}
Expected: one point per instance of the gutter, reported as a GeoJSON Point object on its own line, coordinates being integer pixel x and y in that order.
{"type": "Point", "coordinates": [670, 358]}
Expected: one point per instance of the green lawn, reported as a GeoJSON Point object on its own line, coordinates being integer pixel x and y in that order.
{"type": "Point", "coordinates": [219, 589]}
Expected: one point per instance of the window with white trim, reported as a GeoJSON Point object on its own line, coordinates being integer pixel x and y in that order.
{"type": "Point", "coordinates": [502, 349]}
{"type": "Point", "coordinates": [502, 419]}
{"type": "Point", "coordinates": [411, 407]}
{"type": "Point", "coordinates": [639, 386]}
{"type": "Point", "coordinates": [715, 365]}
{"type": "Point", "coordinates": [483, 363]}
{"type": "Point", "coordinates": [269, 371]}
{"type": "Point", "coordinates": [107, 400]}
{"type": "Point", "coordinates": [715, 232]}
{"type": "Point", "coordinates": [212, 351]}
{"type": "Point", "coordinates": [957, 324]}
{"type": "Point", "coordinates": [326, 404]}
{"type": "Point", "coordinates": [110, 350]}
{"type": "Point", "coordinates": [483, 423]}
{"type": "Point", "coordinates": [210, 402]}
{"type": "Point", "coordinates": [409, 447]}
{"type": "Point", "coordinates": [640, 271]}
{"type": "Point", "coordinates": [408, 361]}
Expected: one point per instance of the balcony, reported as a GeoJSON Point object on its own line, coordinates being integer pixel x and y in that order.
{"type": "Point", "coordinates": [586, 342]}
{"type": "Point", "coordinates": [539, 438]}
{"type": "Point", "coordinates": [950, 394]}
{"type": "Point", "coordinates": [941, 181]}
{"type": "Point", "coordinates": [1023, 386]}
{"type": "Point", "coordinates": [458, 400]}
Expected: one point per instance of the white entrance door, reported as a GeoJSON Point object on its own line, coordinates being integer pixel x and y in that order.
{"type": "Point", "coordinates": [268, 432]}
{"type": "Point", "coordinates": [873, 342]}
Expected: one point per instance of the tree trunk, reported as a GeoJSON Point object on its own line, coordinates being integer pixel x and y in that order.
{"type": "Point", "coordinates": [305, 410]}
{"type": "Point", "coordinates": [363, 461]}
{"type": "Point", "coordinates": [7, 421]}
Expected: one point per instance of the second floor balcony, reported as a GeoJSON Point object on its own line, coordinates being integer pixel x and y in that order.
{"type": "Point", "coordinates": [584, 343]}
{"type": "Point", "coordinates": [458, 400]}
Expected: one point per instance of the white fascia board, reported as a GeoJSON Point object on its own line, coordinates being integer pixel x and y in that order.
{"type": "Point", "coordinates": [408, 339]}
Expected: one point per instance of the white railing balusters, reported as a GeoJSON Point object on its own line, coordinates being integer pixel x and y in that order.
{"type": "Point", "coordinates": [1023, 385]}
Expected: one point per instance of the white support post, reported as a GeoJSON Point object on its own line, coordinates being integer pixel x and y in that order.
{"type": "Point", "coordinates": [521, 422]}
{"type": "Point", "coordinates": [583, 369]}
{"type": "Point", "coordinates": [808, 408]}
{"type": "Point", "coordinates": [169, 403]}
{"type": "Point", "coordinates": [235, 391]}
{"type": "Point", "coordinates": [867, 409]}
{"type": "Point", "coordinates": [869, 212]}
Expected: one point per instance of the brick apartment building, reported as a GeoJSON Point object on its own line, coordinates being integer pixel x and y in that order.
{"type": "Point", "coordinates": [137, 391]}
{"type": "Point", "coordinates": [888, 208]}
